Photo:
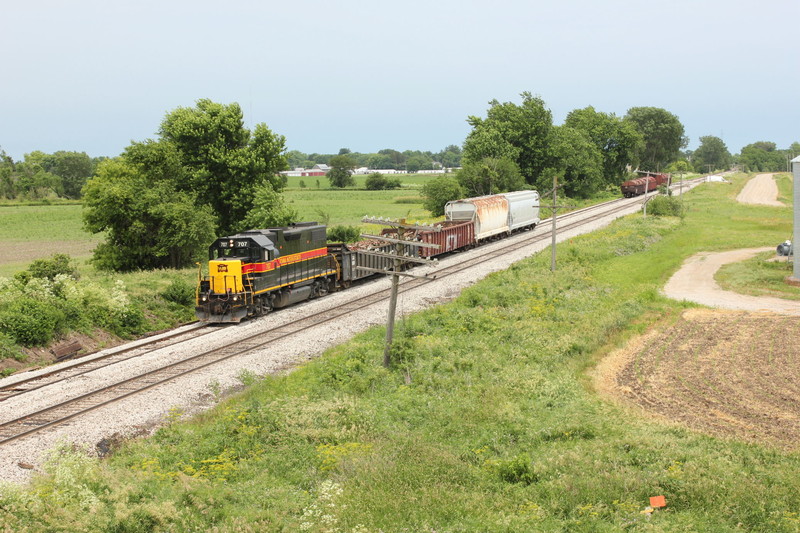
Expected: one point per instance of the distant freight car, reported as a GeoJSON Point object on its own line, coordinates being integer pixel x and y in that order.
{"type": "Point", "coordinates": [645, 184]}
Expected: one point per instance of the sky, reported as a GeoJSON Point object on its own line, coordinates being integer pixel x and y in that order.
{"type": "Point", "coordinates": [94, 75]}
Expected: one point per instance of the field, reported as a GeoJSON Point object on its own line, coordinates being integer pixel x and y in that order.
{"type": "Point", "coordinates": [490, 419]}
{"type": "Point", "coordinates": [32, 232]}
{"type": "Point", "coordinates": [730, 374]}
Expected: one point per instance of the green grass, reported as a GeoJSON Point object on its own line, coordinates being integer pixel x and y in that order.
{"type": "Point", "coordinates": [759, 277]}
{"type": "Point", "coordinates": [29, 232]}
{"type": "Point", "coordinates": [348, 206]}
{"type": "Point", "coordinates": [487, 421]}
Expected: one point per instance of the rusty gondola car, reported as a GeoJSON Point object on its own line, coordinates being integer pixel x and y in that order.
{"type": "Point", "coordinates": [644, 184]}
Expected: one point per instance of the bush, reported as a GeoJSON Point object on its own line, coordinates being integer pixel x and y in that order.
{"type": "Point", "coordinates": [378, 182]}
{"type": "Point", "coordinates": [179, 292]}
{"type": "Point", "coordinates": [53, 266]}
{"type": "Point", "coordinates": [438, 192]}
{"type": "Point", "coordinates": [344, 234]}
{"type": "Point", "coordinates": [9, 348]}
{"type": "Point", "coordinates": [31, 322]}
{"type": "Point", "coordinates": [669, 206]}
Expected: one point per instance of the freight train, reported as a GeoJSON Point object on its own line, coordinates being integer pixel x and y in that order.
{"type": "Point", "coordinates": [649, 182]}
{"type": "Point", "coordinates": [253, 272]}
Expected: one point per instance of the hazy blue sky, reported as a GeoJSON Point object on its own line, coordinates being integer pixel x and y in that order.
{"type": "Point", "coordinates": [92, 76]}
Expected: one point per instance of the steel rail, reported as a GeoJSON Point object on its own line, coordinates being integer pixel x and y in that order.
{"type": "Point", "coordinates": [68, 409]}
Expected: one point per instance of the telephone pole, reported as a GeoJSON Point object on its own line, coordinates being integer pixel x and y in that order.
{"type": "Point", "coordinates": [400, 255]}
{"type": "Point", "coordinates": [554, 207]}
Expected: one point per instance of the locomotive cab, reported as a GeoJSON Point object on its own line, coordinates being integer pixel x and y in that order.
{"type": "Point", "coordinates": [252, 272]}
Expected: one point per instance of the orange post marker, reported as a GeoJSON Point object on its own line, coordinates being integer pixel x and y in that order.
{"type": "Point", "coordinates": [657, 502]}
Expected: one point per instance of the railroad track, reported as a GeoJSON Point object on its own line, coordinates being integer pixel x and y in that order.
{"type": "Point", "coordinates": [89, 364]}
{"type": "Point", "coordinates": [68, 409]}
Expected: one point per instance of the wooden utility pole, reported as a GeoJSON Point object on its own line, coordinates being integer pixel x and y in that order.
{"type": "Point", "coordinates": [398, 257]}
{"type": "Point", "coordinates": [554, 207]}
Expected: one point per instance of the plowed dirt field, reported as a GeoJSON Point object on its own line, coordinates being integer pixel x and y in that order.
{"type": "Point", "coordinates": [728, 373]}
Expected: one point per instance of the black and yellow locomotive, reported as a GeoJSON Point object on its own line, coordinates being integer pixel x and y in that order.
{"type": "Point", "coordinates": [255, 271]}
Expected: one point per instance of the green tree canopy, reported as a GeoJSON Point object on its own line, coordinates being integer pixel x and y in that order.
{"type": "Point", "coordinates": [163, 200]}
{"type": "Point", "coordinates": [712, 154]}
{"type": "Point", "coordinates": [577, 161]}
{"type": "Point", "coordinates": [438, 191]}
{"type": "Point", "coordinates": [270, 210]}
{"type": "Point", "coordinates": [618, 141]}
{"type": "Point", "coordinates": [663, 135]}
{"type": "Point", "coordinates": [762, 156]}
{"type": "Point", "coordinates": [490, 176]}
{"type": "Point", "coordinates": [341, 173]}
{"type": "Point", "coordinates": [521, 133]}
{"type": "Point", "coordinates": [147, 221]}
{"type": "Point", "coordinates": [224, 163]}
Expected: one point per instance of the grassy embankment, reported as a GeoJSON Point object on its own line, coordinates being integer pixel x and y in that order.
{"type": "Point", "coordinates": [488, 421]}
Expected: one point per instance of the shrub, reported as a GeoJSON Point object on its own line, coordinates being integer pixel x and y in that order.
{"type": "Point", "coordinates": [666, 206]}
{"type": "Point", "coordinates": [179, 292]}
{"type": "Point", "coordinates": [438, 192]}
{"type": "Point", "coordinates": [378, 182]}
{"type": "Point", "coordinates": [53, 266]}
{"type": "Point", "coordinates": [344, 234]}
{"type": "Point", "coordinates": [9, 348]}
{"type": "Point", "coordinates": [31, 322]}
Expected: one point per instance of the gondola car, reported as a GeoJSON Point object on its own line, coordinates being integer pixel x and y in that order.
{"type": "Point", "coordinates": [644, 184]}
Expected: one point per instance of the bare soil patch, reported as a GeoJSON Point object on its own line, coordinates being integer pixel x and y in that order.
{"type": "Point", "coordinates": [29, 251]}
{"type": "Point", "coordinates": [727, 373]}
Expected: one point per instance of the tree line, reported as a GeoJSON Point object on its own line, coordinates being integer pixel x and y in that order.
{"type": "Point", "coordinates": [163, 200]}
{"type": "Point", "coordinates": [386, 159]}
{"type": "Point", "coordinates": [41, 176]}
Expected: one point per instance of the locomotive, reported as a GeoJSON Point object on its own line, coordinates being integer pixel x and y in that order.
{"type": "Point", "coordinates": [253, 272]}
{"type": "Point", "coordinates": [649, 182]}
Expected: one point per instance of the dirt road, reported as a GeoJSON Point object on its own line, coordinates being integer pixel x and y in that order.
{"type": "Point", "coordinates": [760, 190]}
{"type": "Point", "coordinates": [695, 282]}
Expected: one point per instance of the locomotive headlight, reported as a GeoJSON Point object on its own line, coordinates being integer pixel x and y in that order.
{"type": "Point", "coordinates": [235, 297]}
{"type": "Point", "coordinates": [204, 298]}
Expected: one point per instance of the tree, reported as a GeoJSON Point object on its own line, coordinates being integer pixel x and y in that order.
{"type": "Point", "coordinates": [711, 154]}
{"type": "Point", "coordinates": [577, 161]}
{"type": "Point", "coordinates": [270, 209]}
{"type": "Point", "coordinates": [438, 192]}
{"type": "Point", "coordinates": [74, 168]}
{"type": "Point", "coordinates": [762, 156]}
{"type": "Point", "coordinates": [618, 140]}
{"type": "Point", "coordinates": [148, 222]}
{"type": "Point", "coordinates": [341, 173]}
{"type": "Point", "coordinates": [663, 135]}
{"type": "Point", "coordinates": [224, 162]}
{"type": "Point", "coordinates": [519, 132]}
{"type": "Point", "coordinates": [490, 176]}
{"type": "Point", "coordinates": [378, 182]}
{"type": "Point", "coordinates": [450, 157]}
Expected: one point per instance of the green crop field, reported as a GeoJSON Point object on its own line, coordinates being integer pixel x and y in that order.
{"type": "Point", "coordinates": [33, 232]}
{"type": "Point", "coordinates": [488, 420]}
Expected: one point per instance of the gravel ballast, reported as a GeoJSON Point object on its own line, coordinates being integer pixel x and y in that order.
{"type": "Point", "coordinates": [143, 413]}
